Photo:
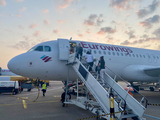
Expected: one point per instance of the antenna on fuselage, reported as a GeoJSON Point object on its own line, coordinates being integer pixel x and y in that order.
{"type": "Point", "coordinates": [71, 38]}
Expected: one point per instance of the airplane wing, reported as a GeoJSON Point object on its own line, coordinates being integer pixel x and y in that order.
{"type": "Point", "coordinates": [154, 72]}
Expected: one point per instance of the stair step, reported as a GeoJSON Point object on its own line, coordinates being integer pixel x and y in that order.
{"type": "Point", "coordinates": [129, 116]}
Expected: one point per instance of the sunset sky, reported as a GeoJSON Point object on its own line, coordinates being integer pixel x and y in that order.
{"type": "Point", "coordinates": [25, 23]}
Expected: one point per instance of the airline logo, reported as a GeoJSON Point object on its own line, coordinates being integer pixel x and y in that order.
{"type": "Point", "coordinates": [106, 47]}
{"type": "Point", "coordinates": [46, 58]}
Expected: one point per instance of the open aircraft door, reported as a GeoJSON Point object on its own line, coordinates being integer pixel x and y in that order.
{"type": "Point", "coordinates": [64, 48]}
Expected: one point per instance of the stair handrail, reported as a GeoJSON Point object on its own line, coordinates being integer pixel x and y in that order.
{"type": "Point", "coordinates": [143, 97]}
{"type": "Point", "coordinates": [109, 86]}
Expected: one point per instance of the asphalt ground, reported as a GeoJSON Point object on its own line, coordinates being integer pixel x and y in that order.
{"type": "Point", "coordinates": [50, 108]}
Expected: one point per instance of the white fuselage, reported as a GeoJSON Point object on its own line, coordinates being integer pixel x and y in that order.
{"type": "Point", "coordinates": [127, 62]}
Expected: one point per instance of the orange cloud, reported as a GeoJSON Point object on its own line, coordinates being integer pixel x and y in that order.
{"type": "Point", "coordinates": [89, 22]}
{"type": "Point", "coordinates": [46, 21]}
{"type": "Point", "coordinates": [56, 31]}
{"type": "Point", "coordinates": [2, 2]}
{"type": "Point", "coordinates": [20, 27]}
{"type": "Point", "coordinates": [64, 5]}
{"type": "Point", "coordinates": [18, 15]}
{"type": "Point", "coordinates": [61, 21]}
{"type": "Point", "coordinates": [32, 26]}
{"type": "Point", "coordinates": [80, 35]}
{"type": "Point", "coordinates": [23, 9]}
{"type": "Point", "coordinates": [36, 33]}
{"type": "Point", "coordinates": [45, 10]}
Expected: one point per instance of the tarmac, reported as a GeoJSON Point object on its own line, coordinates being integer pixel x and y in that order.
{"type": "Point", "coordinates": [50, 107]}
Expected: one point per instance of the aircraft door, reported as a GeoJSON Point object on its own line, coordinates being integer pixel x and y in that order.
{"type": "Point", "coordinates": [64, 48]}
{"type": "Point", "coordinates": [72, 54]}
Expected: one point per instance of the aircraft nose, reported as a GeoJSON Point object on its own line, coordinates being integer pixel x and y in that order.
{"type": "Point", "coordinates": [14, 65]}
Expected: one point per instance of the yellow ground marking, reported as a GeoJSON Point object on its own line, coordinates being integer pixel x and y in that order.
{"type": "Point", "coordinates": [28, 103]}
{"type": "Point", "coordinates": [24, 104]}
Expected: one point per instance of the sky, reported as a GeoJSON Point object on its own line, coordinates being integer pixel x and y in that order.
{"type": "Point", "coordinates": [25, 23]}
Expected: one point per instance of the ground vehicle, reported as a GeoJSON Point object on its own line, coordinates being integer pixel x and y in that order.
{"type": "Point", "coordinates": [9, 86]}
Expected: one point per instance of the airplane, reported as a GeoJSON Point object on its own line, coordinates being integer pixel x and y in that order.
{"type": "Point", "coordinates": [47, 61]}
{"type": "Point", "coordinates": [7, 72]}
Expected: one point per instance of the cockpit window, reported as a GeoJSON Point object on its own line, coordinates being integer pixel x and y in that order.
{"type": "Point", "coordinates": [47, 48]}
{"type": "Point", "coordinates": [39, 48]}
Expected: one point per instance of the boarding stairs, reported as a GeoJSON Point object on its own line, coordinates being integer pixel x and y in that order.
{"type": "Point", "coordinates": [102, 93]}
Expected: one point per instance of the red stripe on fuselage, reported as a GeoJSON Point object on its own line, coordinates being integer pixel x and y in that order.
{"type": "Point", "coordinates": [47, 59]}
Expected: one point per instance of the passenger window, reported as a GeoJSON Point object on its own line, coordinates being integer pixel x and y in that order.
{"type": "Point", "coordinates": [157, 57]}
{"type": "Point", "coordinates": [137, 55]}
{"type": "Point", "coordinates": [95, 52]}
{"type": "Point", "coordinates": [126, 54]}
{"type": "Point", "coordinates": [113, 53]}
{"type": "Point", "coordinates": [109, 53]}
{"type": "Point", "coordinates": [47, 48]}
{"type": "Point", "coordinates": [144, 56]}
{"type": "Point", "coordinates": [133, 55]}
{"type": "Point", "coordinates": [129, 55]}
{"type": "Point", "coordinates": [122, 54]}
{"type": "Point", "coordinates": [39, 48]}
{"type": "Point", "coordinates": [118, 54]}
{"type": "Point", "coordinates": [104, 52]}
{"type": "Point", "coordinates": [84, 51]}
{"type": "Point", "coordinates": [99, 52]}
{"type": "Point", "coordinates": [140, 56]}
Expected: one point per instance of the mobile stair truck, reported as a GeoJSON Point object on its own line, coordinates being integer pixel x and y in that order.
{"type": "Point", "coordinates": [9, 86]}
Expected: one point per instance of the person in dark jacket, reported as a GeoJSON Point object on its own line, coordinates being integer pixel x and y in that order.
{"type": "Point", "coordinates": [102, 67]}
{"type": "Point", "coordinates": [79, 52]}
{"type": "Point", "coordinates": [63, 97]}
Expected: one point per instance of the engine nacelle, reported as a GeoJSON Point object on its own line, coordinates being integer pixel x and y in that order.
{"type": "Point", "coordinates": [137, 73]}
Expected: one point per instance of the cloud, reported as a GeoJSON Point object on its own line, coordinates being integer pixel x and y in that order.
{"type": "Point", "coordinates": [99, 21]}
{"type": "Point", "coordinates": [18, 15]}
{"type": "Point", "coordinates": [37, 33]}
{"type": "Point", "coordinates": [88, 31]}
{"type": "Point", "coordinates": [2, 2]}
{"type": "Point", "coordinates": [61, 21]}
{"type": "Point", "coordinates": [106, 30]}
{"type": "Point", "coordinates": [45, 10]}
{"type": "Point", "coordinates": [46, 21]}
{"type": "Point", "coordinates": [149, 9]}
{"type": "Point", "coordinates": [19, 0]}
{"type": "Point", "coordinates": [130, 34]}
{"type": "Point", "coordinates": [89, 22]}
{"type": "Point", "coordinates": [32, 26]}
{"type": "Point", "coordinates": [145, 36]}
{"type": "Point", "coordinates": [56, 31]}
{"type": "Point", "coordinates": [94, 19]}
{"type": "Point", "coordinates": [23, 9]}
{"type": "Point", "coordinates": [122, 4]}
{"type": "Point", "coordinates": [157, 33]}
{"type": "Point", "coordinates": [21, 45]}
{"type": "Point", "coordinates": [64, 4]}
{"type": "Point", "coordinates": [80, 35]}
{"type": "Point", "coordinates": [27, 43]}
{"type": "Point", "coordinates": [148, 22]}
{"type": "Point", "coordinates": [20, 27]}
{"type": "Point", "coordinates": [140, 41]}
{"type": "Point", "coordinates": [92, 16]}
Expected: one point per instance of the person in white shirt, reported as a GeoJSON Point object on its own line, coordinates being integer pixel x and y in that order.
{"type": "Point", "coordinates": [89, 59]}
